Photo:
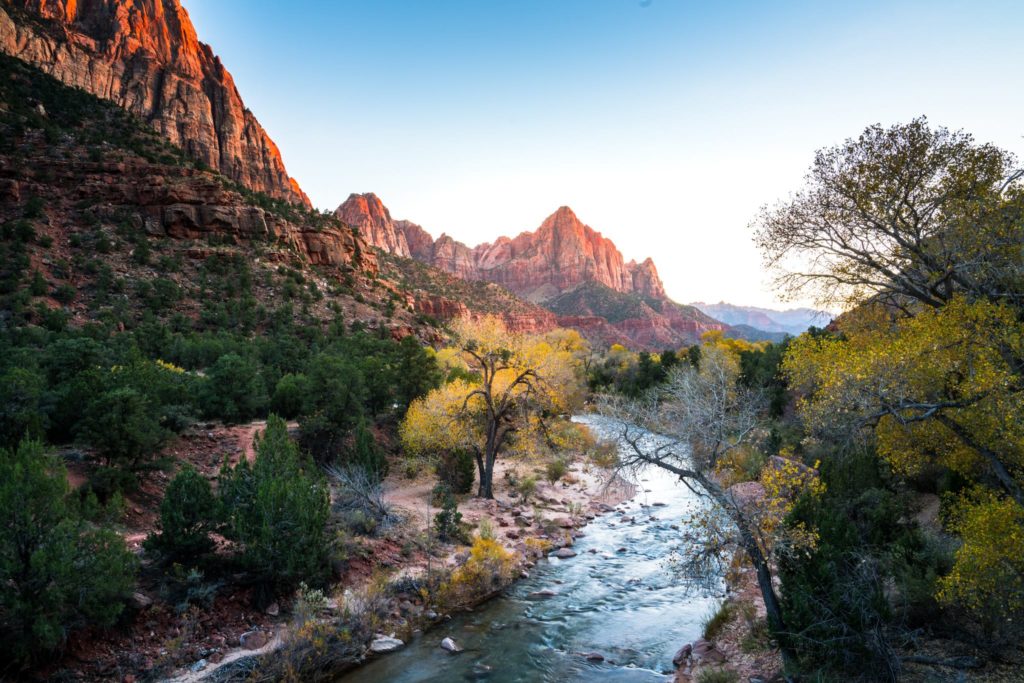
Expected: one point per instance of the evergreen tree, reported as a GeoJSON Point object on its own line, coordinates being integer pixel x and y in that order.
{"type": "Point", "coordinates": [56, 571]}
{"type": "Point", "coordinates": [277, 510]}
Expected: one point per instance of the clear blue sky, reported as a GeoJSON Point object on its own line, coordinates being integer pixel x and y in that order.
{"type": "Point", "coordinates": [663, 123]}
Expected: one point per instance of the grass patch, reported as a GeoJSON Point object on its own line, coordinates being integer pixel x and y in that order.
{"type": "Point", "coordinates": [757, 638]}
{"type": "Point", "coordinates": [716, 621]}
{"type": "Point", "coordinates": [717, 676]}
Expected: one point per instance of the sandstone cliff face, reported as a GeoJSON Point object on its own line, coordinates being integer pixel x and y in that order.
{"type": "Point", "coordinates": [367, 213]}
{"type": "Point", "coordinates": [145, 56]}
{"type": "Point", "coordinates": [180, 203]}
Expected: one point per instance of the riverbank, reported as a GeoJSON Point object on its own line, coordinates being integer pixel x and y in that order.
{"type": "Point", "coordinates": [384, 612]}
{"type": "Point", "coordinates": [735, 637]}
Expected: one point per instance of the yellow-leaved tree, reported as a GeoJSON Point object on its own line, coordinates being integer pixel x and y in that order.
{"type": "Point", "coordinates": [507, 387]}
{"type": "Point", "coordinates": [919, 231]}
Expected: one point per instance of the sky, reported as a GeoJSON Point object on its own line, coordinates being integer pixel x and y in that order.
{"type": "Point", "coordinates": [664, 124]}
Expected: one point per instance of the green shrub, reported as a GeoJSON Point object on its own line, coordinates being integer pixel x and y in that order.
{"type": "Point", "coordinates": [337, 395]}
{"type": "Point", "coordinates": [22, 395]}
{"type": "Point", "coordinates": [526, 487]}
{"type": "Point", "coordinates": [366, 454]}
{"type": "Point", "coordinates": [277, 509]}
{"type": "Point", "coordinates": [715, 622]}
{"type": "Point", "coordinates": [57, 572]}
{"type": "Point", "coordinates": [188, 513]}
{"type": "Point", "coordinates": [457, 470]}
{"type": "Point", "coordinates": [556, 469]}
{"type": "Point", "coordinates": [234, 390]}
{"type": "Point", "coordinates": [290, 395]}
{"type": "Point", "coordinates": [123, 425]}
{"type": "Point", "coordinates": [37, 286]}
{"type": "Point", "coordinates": [64, 293]}
{"type": "Point", "coordinates": [447, 522]}
{"type": "Point", "coordinates": [34, 208]}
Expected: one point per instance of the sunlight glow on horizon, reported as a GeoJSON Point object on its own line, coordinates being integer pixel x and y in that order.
{"type": "Point", "coordinates": [664, 125]}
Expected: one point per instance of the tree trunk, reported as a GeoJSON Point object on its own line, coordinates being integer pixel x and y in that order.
{"type": "Point", "coordinates": [772, 605]}
{"type": "Point", "coordinates": [481, 471]}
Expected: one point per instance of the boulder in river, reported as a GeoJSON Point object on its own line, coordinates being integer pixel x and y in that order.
{"type": "Point", "coordinates": [384, 644]}
{"type": "Point", "coordinates": [450, 645]}
{"type": "Point", "coordinates": [564, 553]}
{"type": "Point", "coordinates": [543, 594]}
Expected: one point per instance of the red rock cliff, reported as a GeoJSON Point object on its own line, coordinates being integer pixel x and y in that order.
{"type": "Point", "coordinates": [367, 213]}
{"type": "Point", "coordinates": [561, 254]}
{"type": "Point", "coordinates": [145, 56]}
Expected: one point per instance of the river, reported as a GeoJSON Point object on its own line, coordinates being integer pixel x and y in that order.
{"type": "Point", "coordinates": [622, 601]}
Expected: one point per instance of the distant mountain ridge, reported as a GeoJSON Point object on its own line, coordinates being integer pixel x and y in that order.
{"type": "Point", "coordinates": [793, 321]}
{"type": "Point", "coordinates": [565, 266]}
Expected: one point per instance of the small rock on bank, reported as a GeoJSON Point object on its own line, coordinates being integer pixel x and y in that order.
{"type": "Point", "coordinates": [384, 644]}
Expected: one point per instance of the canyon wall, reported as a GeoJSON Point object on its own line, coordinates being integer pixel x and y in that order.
{"type": "Point", "coordinates": [144, 55]}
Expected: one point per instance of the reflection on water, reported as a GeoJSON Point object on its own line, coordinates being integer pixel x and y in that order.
{"type": "Point", "coordinates": [620, 601]}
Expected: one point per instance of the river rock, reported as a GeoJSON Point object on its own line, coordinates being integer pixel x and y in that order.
{"type": "Point", "coordinates": [682, 655]}
{"type": "Point", "coordinates": [593, 656]}
{"type": "Point", "coordinates": [543, 594]}
{"type": "Point", "coordinates": [198, 666]}
{"type": "Point", "coordinates": [384, 644]}
{"type": "Point", "coordinates": [480, 670]}
{"type": "Point", "coordinates": [565, 523]}
{"type": "Point", "coordinates": [565, 553]}
{"type": "Point", "coordinates": [450, 645]}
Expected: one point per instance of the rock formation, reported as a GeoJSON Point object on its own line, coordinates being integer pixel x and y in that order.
{"type": "Point", "coordinates": [367, 213]}
{"type": "Point", "coordinates": [144, 56]}
{"type": "Point", "coordinates": [559, 256]}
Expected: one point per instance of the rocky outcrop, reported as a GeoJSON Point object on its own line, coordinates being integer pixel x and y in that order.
{"type": "Point", "coordinates": [182, 203]}
{"type": "Point", "coordinates": [144, 55]}
{"type": "Point", "coordinates": [367, 214]}
{"type": "Point", "coordinates": [421, 244]}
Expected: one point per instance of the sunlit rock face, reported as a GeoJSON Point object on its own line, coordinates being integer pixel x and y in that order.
{"type": "Point", "coordinates": [367, 213]}
{"type": "Point", "coordinates": [560, 255]}
{"type": "Point", "coordinates": [145, 56]}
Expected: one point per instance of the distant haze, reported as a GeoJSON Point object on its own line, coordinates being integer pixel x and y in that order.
{"type": "Point", "coordinates": [663, 124]}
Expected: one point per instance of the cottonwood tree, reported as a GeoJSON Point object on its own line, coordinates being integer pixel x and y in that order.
{"type": "Point", "coordinates": [921, 231]}
{"type": "Point", "coordinates": [508, 386]}
{"type": "Point", "coordinates": [696, 422]}
{"type": "Point", "coordinates": [910, 214]}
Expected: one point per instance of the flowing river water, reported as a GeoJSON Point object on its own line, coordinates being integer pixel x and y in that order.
{"type": "Point", "coordinates": [622, 601]}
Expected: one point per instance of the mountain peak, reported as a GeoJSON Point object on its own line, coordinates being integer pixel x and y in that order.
{"type": "Point", "coordinates": [367, 213]}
